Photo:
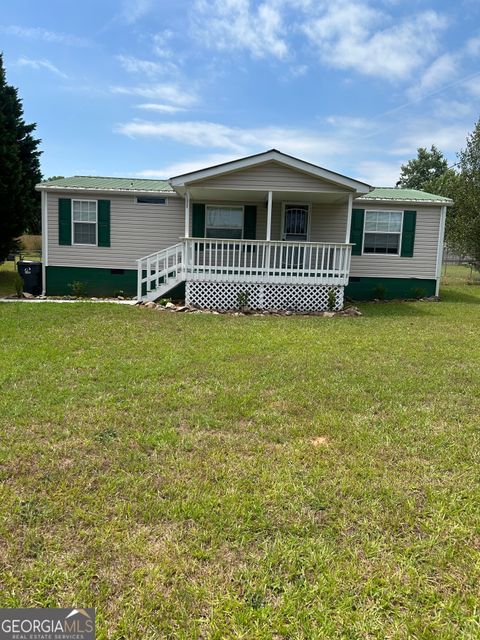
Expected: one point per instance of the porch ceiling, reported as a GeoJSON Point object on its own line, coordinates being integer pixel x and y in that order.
{"type": "Point", "coordinates": [206, 194]}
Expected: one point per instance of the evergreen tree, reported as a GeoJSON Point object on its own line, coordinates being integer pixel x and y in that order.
{"type": "Point", "coordinates": [420, 170]}
{"type": "Point", "coordinates": [19, 170]}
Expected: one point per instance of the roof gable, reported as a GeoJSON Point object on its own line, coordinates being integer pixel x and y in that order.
{"type": "Point", "coordinates": [182, 181]}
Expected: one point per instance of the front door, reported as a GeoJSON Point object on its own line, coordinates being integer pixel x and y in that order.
{"type": "Point", "coordinates": [295, 222]}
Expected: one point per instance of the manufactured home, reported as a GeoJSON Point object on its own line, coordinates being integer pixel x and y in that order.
{"type": "Point", "coordinates": [269, 229]}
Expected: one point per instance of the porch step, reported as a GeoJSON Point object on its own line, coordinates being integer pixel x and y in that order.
{"type": "Point", "coordinates": [160, 291]}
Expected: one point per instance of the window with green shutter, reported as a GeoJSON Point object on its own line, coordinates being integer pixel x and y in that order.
{"type": "Point", "coordinates": [198, 220]}
{"type": "Point", "coordinates": [408, 233]}
{"type": "Point", "coordinates": [356, 231]}
{"type": "Point", "coordinates": [64, 221]}
{"type": "Point", "coordinates": [104, 223]}
{"type": "Point", "coordinates": [250, 222]}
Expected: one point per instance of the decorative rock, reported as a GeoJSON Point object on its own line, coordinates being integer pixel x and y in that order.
{"type": "Point", "coordinates": [170, 305]}
{"type": "Point", "coordinates": [150, 305]}
{"type": "Point", "coordinates": [329, 314]}
{"type": "Point", "coordinates": [120, 298]}
{"type": "Point", "coordinates": [28, 295]}
{"type": "Point", "coordinates": [182, 309]}
{"type": "Point", "coordinates": [288, 313]}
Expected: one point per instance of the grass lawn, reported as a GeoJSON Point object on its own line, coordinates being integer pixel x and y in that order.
{"type": "Point", "coordinates": [202, 476]}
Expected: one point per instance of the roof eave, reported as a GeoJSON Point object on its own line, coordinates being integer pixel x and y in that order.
{"type": "Point", "coordinates": [447, 203]}
{"type": "Point", "coordinates": [142, 192]}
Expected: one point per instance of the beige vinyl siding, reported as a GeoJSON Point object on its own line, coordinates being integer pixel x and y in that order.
{"type": "Point", "coordinates": [328, 222]}
{"type": "Point", "coordinates": [424, 260]}
{"type": "Point", "coordinates": [270, 176]}
{"type": "Point", "coordinates": [136, 230]}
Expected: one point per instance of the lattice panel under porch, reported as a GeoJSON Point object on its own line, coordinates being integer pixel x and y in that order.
{"type": "Point", "coordinates": [223, 296]}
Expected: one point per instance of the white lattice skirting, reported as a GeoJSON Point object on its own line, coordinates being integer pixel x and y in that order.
{"type": "Point", "coordinates": [224, 296]}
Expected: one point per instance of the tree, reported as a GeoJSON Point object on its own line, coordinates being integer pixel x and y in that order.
{"type": "Point", "coordinates": [426, 166]}
{"type": "Point", "coordinates": [468, 197]}
{"type": "Point", "coordinates": [19, 170]}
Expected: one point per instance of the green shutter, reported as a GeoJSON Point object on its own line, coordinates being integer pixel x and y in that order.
{"type": "Point", "coordinates": [250, 222]}
{"type": "Point", "coordinates": [104, 223]}
{"type": "Point", "coordinates": [408, 233]}
{"type": "Point", "coordinates": [64, 221]}
{"type": "Point", "coordinates": [356, 231]}
{"type": "Point", "coordinates": [198, 220]}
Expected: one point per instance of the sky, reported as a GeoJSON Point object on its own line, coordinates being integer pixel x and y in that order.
{"type": "Point", "coordinates": [154, 89]}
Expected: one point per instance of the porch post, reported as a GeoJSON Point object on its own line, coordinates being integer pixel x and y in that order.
{"type": "Point", "coordinates": [269, 216]}
{"type": "Point", "coordinates": [349, 217]}
{"type": "Point", "coordinates": [187, 214]}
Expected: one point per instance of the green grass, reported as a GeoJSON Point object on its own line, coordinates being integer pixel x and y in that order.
{"type": "Point", "coordinates": [202, 476]}
{"type": "Point", "coordinates": [7, 279]}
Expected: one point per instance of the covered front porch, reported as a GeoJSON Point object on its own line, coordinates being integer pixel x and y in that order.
{"type": "Point", "coordinates": [270, 231]}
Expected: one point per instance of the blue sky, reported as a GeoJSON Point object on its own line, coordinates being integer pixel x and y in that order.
{"type": "Point", "coordinates": [153, 88]}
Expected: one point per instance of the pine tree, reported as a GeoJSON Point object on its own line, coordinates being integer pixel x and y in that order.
{"type": "Point", "coordinates": [19, 170]}
{"type": "Point", "coordinates": [426, 166]}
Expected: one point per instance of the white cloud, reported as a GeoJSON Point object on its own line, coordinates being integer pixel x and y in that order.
{"type": "Point", "coordinates": [160, 46]}
{"type": "Point", "coordinates": [179, 168]}
{"type": "Point", "coordinates": [303, 143]}
{"type": "Point", "coordinates": [449, 138]}
{"type": "Point", "coordinates": [237, 25]}
{"type": "Point", "coordinates": [472, 85]}
{"type": "Point", "coordinates": [38, 33]}
{"type": "Point", "coordinates": [161, 108]}
{"type": "Point", "coordinates": [170, 93]}
{"type": "Point", "coordinates": [133, 10]}
{"type": "Point", "coordinates": [348, 36]}
{"type": "Point", "coordinates": [146, 67]}
{"type": "Point", "coordinates": [378, 173]}
{"type": "Point", "coordinates": [41, 64]}
{"type": "Point", "coordinates": [438, 74]}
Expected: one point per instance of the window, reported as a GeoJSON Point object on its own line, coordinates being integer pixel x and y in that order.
{"type": "Point", "coordinates": [382, 233]}
{"type": "Point", "coordinates": [223, 222]}
{"type": "Point", "coordinates": [84, 218]}
{"type": "Point", "coordinates": [151, 200]}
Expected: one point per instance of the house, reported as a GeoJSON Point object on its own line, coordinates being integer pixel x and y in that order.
{"type": "Point", "coordinates": [276, 230]}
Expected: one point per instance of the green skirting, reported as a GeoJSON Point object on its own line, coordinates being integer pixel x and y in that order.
{"type": "Point", "coordinates": [389, 288]}
{"type": "Point", "coordinates": [97, 282]}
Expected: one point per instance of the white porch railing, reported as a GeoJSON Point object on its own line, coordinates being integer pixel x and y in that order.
{"type": "Point", "coordinates": [259, 261]}
{"type": "Point", "coordinates": [268, 262]}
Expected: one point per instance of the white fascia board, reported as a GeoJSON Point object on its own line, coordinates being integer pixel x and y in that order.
{"type": "Point", "coordinates": [269, 156]}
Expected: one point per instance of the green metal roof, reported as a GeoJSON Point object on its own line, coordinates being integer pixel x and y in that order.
{"type": "Point", "coordinates": [403, 195]}
{"type": "Point", "coordinates": [108, 184]}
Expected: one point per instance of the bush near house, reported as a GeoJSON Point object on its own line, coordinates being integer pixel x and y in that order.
{"type": "Point", "coordinates": [209, 476]}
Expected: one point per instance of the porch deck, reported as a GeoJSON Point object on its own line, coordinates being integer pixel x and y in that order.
{"type": "Point", "coordinates": [243, 262]}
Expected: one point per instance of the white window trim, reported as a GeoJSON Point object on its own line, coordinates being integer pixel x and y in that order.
{"type": "Point", "coordinates": [294, 203]}
{"type": "Point", "coordinates": [82, 244]}
{"type": "Point", "coordinates": [373, 253]}
{"type": "Point", "coordinates": [227, 206]}
{"type": "Point", "coordinates": [151, 204]}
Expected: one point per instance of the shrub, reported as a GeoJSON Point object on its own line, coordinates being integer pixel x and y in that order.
{"type": "Point", "coordinates": [332, 299]}
{"type": "Point", "coordinates": [164, 301]}
{"type": "Point", "coordinates": [380, 292]}
{"type": "Point", "coordinates": [242, 298]}
{"type": "Point", "coordinates": [418, 292]}
{"type": "Point", "coordinates": [79, 289]}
